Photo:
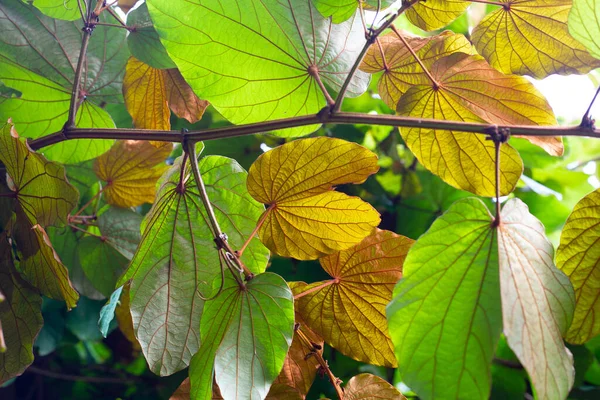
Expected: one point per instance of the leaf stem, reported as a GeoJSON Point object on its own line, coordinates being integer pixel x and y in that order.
{"type": "Point", "coordinates": [86, 232]}
{"type": "Point", "coordinates": [322, 362]}
{"type": "Point", "coordinates": [119, 20]}
{"type": "Point", "coordinates": [260, 222]}
{"type": "Point", "coordinates": [74, 104]}
{"type": "Point", "coordinates": [374, 34]}
{"type": "Point", "coordinates": [587, 120]}
{"type": "Point", "coordinates": [497, 145]}
{"type": "Point", "coordinates": [416, 57]}
{"type": "Point", "coordinates": [385, 66]}
{"type": "Point", "coordinates": [314, 72]}
{"type": "Point", "coordinates": [86, 205]}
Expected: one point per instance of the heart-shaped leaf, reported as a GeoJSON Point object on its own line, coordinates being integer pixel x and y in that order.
{"type": "Point", "coordinates": [341, 10]}
{"type": "Point", "coordinates": [246, 333]}
{"type": "Point", "coordinates": [306, 219]}
{"type": "Point", "coordinates": [271, 73]}
{"type": "Point", "coordinates": [445, 318]}
{"type": "Point", "coordinates": [177, 261]}
{"type": "Point", "coordinates": [537, 302]}
{"type": "Point", "coordinates": [527, 37]}
{"type": "Point", "coordinates": [435, 14]}
{"type": "Point", "coordinates": [578, 256]}
{"type": "Point", "coordinates": [348, 311]}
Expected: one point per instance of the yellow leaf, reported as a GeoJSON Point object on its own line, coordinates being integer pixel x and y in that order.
{"type": "Point", "coordinates": [130, 169]}
{"type": "Point", "coordinates": [41, 187]}
{"type": "Point", "coordinates": [181, 98]}
{"type": "Point", "coordinates": [435, 14]}
{"type": "Point", "coordinates": [463, 160]}
{"type": "Point", "coordinates": [123, 315]}
{"type": "Point", "coordinates": [41, 266]}
{"type": "Point", "coordinates": [145, 95]}
{"type": "Point", "coordinates": [348, 311]}
{"type": "Point", "coordinates": [578, 256]}
{"type": "Point", "coordinates": [403, 70]}
{"type": "Point", "coordinates": [531, 37]}
{"type": "Point", "coordinates": [496, 98]}
{"type": "Point", "coordinates": [306, 219]}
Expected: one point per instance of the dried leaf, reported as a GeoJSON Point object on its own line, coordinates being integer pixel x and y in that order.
{"type": "Point", "coordinates": [306, 218]}
{"type": "Point", "coordinates": [367, 386]}
{"type": "Point", "coordinates": [348, 311]}
{"type": "Point", "coordinates": [181, 98]}
{"type": "Point", "coordinates": [526, 37]}
{"type": "Point", "coordinates": [578, 256]}
{"type": "Point", "coordinates": [131, 169]}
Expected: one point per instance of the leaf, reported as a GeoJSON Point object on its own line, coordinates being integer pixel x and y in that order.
{"type": "Point", "coordinates": [463, 160]}
{"type": "Point", "coordinates": [124, 318]}
{"type": "Point", "coordinates": [44, 54]}
{"type": "Point", "coordinates": [583, 25]}
{"type": "Point", "coordinates": [367, 386]}
{"type": "Point", "coordinates": [145, 96]}
{"type": "Point", "coordinates": [403, 71]}
{"type": "Point", "coordinates": [299, 370]}
{"type": "Point", "coordinates": [83, 320]}
{"type": "Point", "coordinates": [306, 219]}
{"type": "Point", "coordinates": [126, 5]}
{"type": "Point", "coordinates": [537, 302]}
{"type": "Point", "coordinates": [263, 311]}
{"type": "Point", "coordinates": [120, 228]}
{"type": "Point", "coordinates": [144, 43]}
{"type": "Point", "coordinates": [527, 37]}
{"type": "Point", "coordinates": [41, 266]}
{"type": "Point", "coordinates": [445, 317]}
{"type": "Point", "coordinates": [101, 263]}
{"type": "Point", "coordinates": [435, 14]}
{"type": "Point", "coordinates": [41, 188]}
{"type": "Point", "coordinates": [341, 10]}
{"type": "Point", "coordinates": [265, 76]}
{"type": "Point", "coordinates": [107, 313]}
{"type": "Point", "coordinates": [348, 311]}
{"type": "Point", "coordinates": [578, 256]}
{"type": "Point", "coordinates": [130, 169]}
{"type": "Point", "coordinates": [496, 98]}
{"type": "Point", "coordinates": [42, 109]}
{"type": "Point", "coordinates": [181, 98]}
{"type": "Point", "coordinates": [177, 260]}
{"type": "Point", "coordinates": [61, 9]}
{"type": "Point", "coordinates": [21, 316]}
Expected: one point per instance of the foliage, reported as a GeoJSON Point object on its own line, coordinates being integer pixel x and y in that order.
{"type": "Point", "coordinates": [161, 218]}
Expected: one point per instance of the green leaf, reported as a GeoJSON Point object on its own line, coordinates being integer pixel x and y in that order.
{"type": "Point", "coordinates": [578, 256]}
{"type": "Point", "coordinates": [83, 320]}
{"type": "Point", "coordinates": [53, 331]}
{"type": "Point", "coordinates": [120, 228]}
{"type": "Point", "coordinates": [20, 315]}
{"type": "Point", "coordinates": [537, 301]}
{"type": "Point", "coordinates": [60, 9]}
{"type": "Point", "coordinates": [266, 75]}
{"type": "Point", "coordinates": [341, 10]}
{"type": "Point", "coordinates": [144, 43]}
{"type": "Point", "coordinates": [583, 24]}
{"type": "Point", "coordinates": [445, 317]}
{"type": "Point", "coordinates": [247, 333]}
{"type": "Point", "coordinates": [107, 312]}
{"type": "Point", "coordinates": [177, 260]}
{"type": "Point", "coordinates": [101, 263]}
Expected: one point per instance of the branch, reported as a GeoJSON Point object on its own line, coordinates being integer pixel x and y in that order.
{"type": "Point", "coordinates": [323, 117]}
{"type": "Point", "coordinates": [371, 38]}
{"type": "Point", "coordinates": [79, 378]}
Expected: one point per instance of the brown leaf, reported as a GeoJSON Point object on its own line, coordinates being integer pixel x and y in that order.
{"type": "Point", "coordinates": [367, 386]}
{"type": "Point", "coordinates": [181, 98]}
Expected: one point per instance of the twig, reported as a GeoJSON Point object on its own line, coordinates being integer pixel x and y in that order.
{"type": "Point", "coordinates": [338, 118]}
{"type": "Point", "coordinates": [416, 57]}
{"type": "Point", "coordinates": [79, 378]}
{"type": "Point", "coordinates": [322, 362]}
{"type": "Point", "coordinates": [587, 121]}
{"type": "Point", "coordinates": [374, 34]}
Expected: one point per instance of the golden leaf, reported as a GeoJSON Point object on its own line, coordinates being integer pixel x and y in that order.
{"type": "Point", "coordinates": [578, 256]}
{"type": "Point", "coordinates": [306, 219]}
{"type": "Point", "coordinates": [403, 71]}
{"type": "Point", "coordinates": [531, 37]}
{"type": "Point", "coordinates": [145, 95]}
{"type": "Point", "coordinates": [130, 169]}
{"type": "Point", "coordinates": [367, 386]}
{"type": "Point", "coordinates": [435, 14]}
{"type": "Point", "coordinates": [348, 311]}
